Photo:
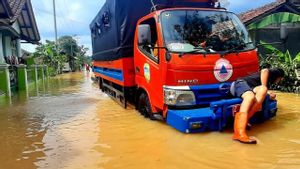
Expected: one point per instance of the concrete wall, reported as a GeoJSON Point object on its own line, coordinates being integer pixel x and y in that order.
{"type": "Point", "coordinates": [272, 34]}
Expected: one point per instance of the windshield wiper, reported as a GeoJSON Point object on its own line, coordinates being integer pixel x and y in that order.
{"type": "Point", "coordinates": [198, 49]}
{"type": "Point", "coordinates": [235, 49]}
{"type": "Point", "coordinates": [195, 50]}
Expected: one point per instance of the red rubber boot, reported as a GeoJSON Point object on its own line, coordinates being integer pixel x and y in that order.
{"type": "Point", "coordinates": [240, 123]}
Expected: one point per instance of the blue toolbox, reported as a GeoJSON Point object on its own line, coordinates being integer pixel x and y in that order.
{"type": "Point", "coordinates": [269, 111]}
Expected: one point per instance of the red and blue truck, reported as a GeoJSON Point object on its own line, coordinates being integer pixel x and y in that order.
{"type": "Point", "coordinates": [174, 60]}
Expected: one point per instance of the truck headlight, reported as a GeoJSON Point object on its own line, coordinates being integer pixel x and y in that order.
{"type": "Point", "coordinates": [179, 97]}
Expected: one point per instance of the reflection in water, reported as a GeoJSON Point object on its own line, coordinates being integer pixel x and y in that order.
{"type": "Point", "coordinates": [66, 122]}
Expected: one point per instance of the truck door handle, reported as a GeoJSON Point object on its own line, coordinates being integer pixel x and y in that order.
{"type": "Point", "coordinates": [137, 69]}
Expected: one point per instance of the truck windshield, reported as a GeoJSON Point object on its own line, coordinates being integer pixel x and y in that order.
{"type": "Point", "coordinates": [204, 31]}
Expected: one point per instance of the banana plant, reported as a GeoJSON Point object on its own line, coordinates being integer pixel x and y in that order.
{"type": "Point", "coordinates": [284, 60]}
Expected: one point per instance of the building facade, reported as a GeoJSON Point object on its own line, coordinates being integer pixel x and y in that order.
{"type": "Point", "coordinates": [264, 25]}
{"type": "Point", "coordinates": [17, 25]}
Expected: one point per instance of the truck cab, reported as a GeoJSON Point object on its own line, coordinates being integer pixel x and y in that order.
{"type": "Point", "coordinates": [186, 59]}
{"type": "Point", "coordinates": [191, 49]}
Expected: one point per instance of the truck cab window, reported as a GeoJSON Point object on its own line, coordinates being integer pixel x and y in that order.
{"type": "Point", "coordinates": [208, 31]}
{"type": "Point", "coordinates": [150, 50]}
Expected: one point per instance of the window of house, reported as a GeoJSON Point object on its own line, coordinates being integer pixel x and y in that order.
{"type": "Point", "coordinates": [14, 48]}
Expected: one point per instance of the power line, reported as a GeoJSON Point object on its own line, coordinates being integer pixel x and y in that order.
{"type": "Point", "coordinates": [60, 16]}
{"type": "Point", "coordinates": [67, 9]}
{"type": "Point", "coordinates": [64, 21]}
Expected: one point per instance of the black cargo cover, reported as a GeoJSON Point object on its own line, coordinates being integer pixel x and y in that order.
{"type": "Point", "coordinates": [114, 26]}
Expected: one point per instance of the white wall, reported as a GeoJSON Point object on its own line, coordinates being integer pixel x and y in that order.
{"type": "Point", "coordinates": [19, 52]}
{"type": "Point", "coordinates": [16, 26]}
{"type": "Point", "coordinates": [7, 40]}
{"type": "Point", "coordinates": [6, 48]}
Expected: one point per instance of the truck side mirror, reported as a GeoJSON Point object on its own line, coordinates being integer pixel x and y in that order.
{"type": "Point", "coordinates": [283, 32]}
{"type": "Point", "coordinates": [144, 34]}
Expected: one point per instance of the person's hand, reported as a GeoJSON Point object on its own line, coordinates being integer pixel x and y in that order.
{"type": "Point", "coordinates": [272, 96]}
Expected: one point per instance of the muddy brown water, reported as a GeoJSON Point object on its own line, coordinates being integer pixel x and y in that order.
{"type": "Point", "coordinates": [66, 122]}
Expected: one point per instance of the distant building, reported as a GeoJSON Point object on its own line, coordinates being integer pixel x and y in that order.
{"type": "Point", "coordinates": [264, 24]}
{"type": "Point", "coordinates": [17, 23]}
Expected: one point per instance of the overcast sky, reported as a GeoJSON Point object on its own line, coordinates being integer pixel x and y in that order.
{"type": "Point", "coordinates": [74, 17]}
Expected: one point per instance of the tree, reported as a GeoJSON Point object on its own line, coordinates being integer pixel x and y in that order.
{"type": "Point", "coordinates": [68, 46]}
{"type": "Point", "coordinates": [47, 54]}
{"type": "Point", "coordinates": [284, 60]}
{"type": "Point", "coordinates": [55, 56]}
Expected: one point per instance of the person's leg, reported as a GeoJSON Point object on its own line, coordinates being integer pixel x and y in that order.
{"type": "Point", "coordinates": [241, 119]}
{"type": "Point", "coordinates": [260, 95]}
{"type": "Point", "coordinates": [248, 100]}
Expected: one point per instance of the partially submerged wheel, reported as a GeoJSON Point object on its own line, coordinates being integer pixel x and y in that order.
{"type": "Point", "coordinates": [144, 106]}
{"type": "Point", "coordinates": [100, 82]}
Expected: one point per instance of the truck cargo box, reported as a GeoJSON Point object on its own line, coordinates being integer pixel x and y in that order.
{"type": "Point", "coordinates": [114, 26]}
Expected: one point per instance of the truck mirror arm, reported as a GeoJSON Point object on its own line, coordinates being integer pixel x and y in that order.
{"type": "Point", "coordinates": [159, 47]}
{"type": "Point", "coordinates": [168, 55]}
{"type": "Point", "coordinates": [153, 47]}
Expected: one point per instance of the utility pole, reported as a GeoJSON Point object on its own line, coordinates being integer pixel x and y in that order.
{"type": "Point", "coordinates": [55, 29]}
{"type": "Point", "coordinates": [72, 57]}
{"type": "Point", "coordinates": [55, 25]}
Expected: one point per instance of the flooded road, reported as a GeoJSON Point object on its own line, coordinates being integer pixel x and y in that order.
{"type": "Point", "coordinates": [66, 122]}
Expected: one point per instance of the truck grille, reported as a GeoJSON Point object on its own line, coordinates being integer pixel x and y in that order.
{"type": "Point", "coordinates": [205, 94]}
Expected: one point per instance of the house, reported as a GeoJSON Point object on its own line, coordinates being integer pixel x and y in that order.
{"type": "Point", "coordinates": [17, 24]}
{"type": "Point", "coordinates": [264, 24]}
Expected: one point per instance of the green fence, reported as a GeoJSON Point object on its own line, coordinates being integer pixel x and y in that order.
{"type": "Point", "coordinates": [14, 78]}
{"type": "Point", "coordinates": [31, 74]}
{"type": "Point", "coordinates": [5, 80]}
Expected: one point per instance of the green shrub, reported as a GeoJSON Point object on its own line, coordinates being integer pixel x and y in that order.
{"type": "Point", "coordinates": [276, 58]}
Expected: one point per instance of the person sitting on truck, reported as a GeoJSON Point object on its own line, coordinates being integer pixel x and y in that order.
{"type": "Point", "coordinates": [155, 51]}
{"type": "Point", "coordinates": [253, 90]}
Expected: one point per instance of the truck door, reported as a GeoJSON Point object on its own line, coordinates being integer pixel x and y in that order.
{"type": "Point", "coordinates": [148, 66]}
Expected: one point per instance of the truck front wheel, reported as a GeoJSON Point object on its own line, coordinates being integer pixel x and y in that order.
{"type": "Point", "coordinates": [100, 81]}
{"type": "Point", "coordinates": [144, 106]}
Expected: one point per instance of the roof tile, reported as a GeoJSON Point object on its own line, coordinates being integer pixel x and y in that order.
{"type": "Point", "coordinates": [251, 14]}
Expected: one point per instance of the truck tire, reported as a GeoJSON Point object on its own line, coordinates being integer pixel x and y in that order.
{"type": "Point", "coordinates": [100, 81]}
{"type": "Point", "coordinates": [144, 106]}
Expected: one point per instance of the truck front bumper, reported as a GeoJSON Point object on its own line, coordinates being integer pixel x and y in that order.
{"type": "Point", "coordinates": [216, 117]}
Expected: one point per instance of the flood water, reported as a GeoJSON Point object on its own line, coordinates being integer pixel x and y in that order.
{"type": "Point", "coordinates": [66, 122]}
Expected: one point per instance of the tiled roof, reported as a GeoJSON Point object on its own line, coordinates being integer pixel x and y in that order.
{"type": "Point", "coordinates": [13, 9]}
{"type": "Point", "coordinates": [251, 14]}
{"type": "Point", "coordinates": [22, 12]}
{"type": "Point", "coordinates": [28, 24]}
{"type": "Point", "coordinates": [16, 8]}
